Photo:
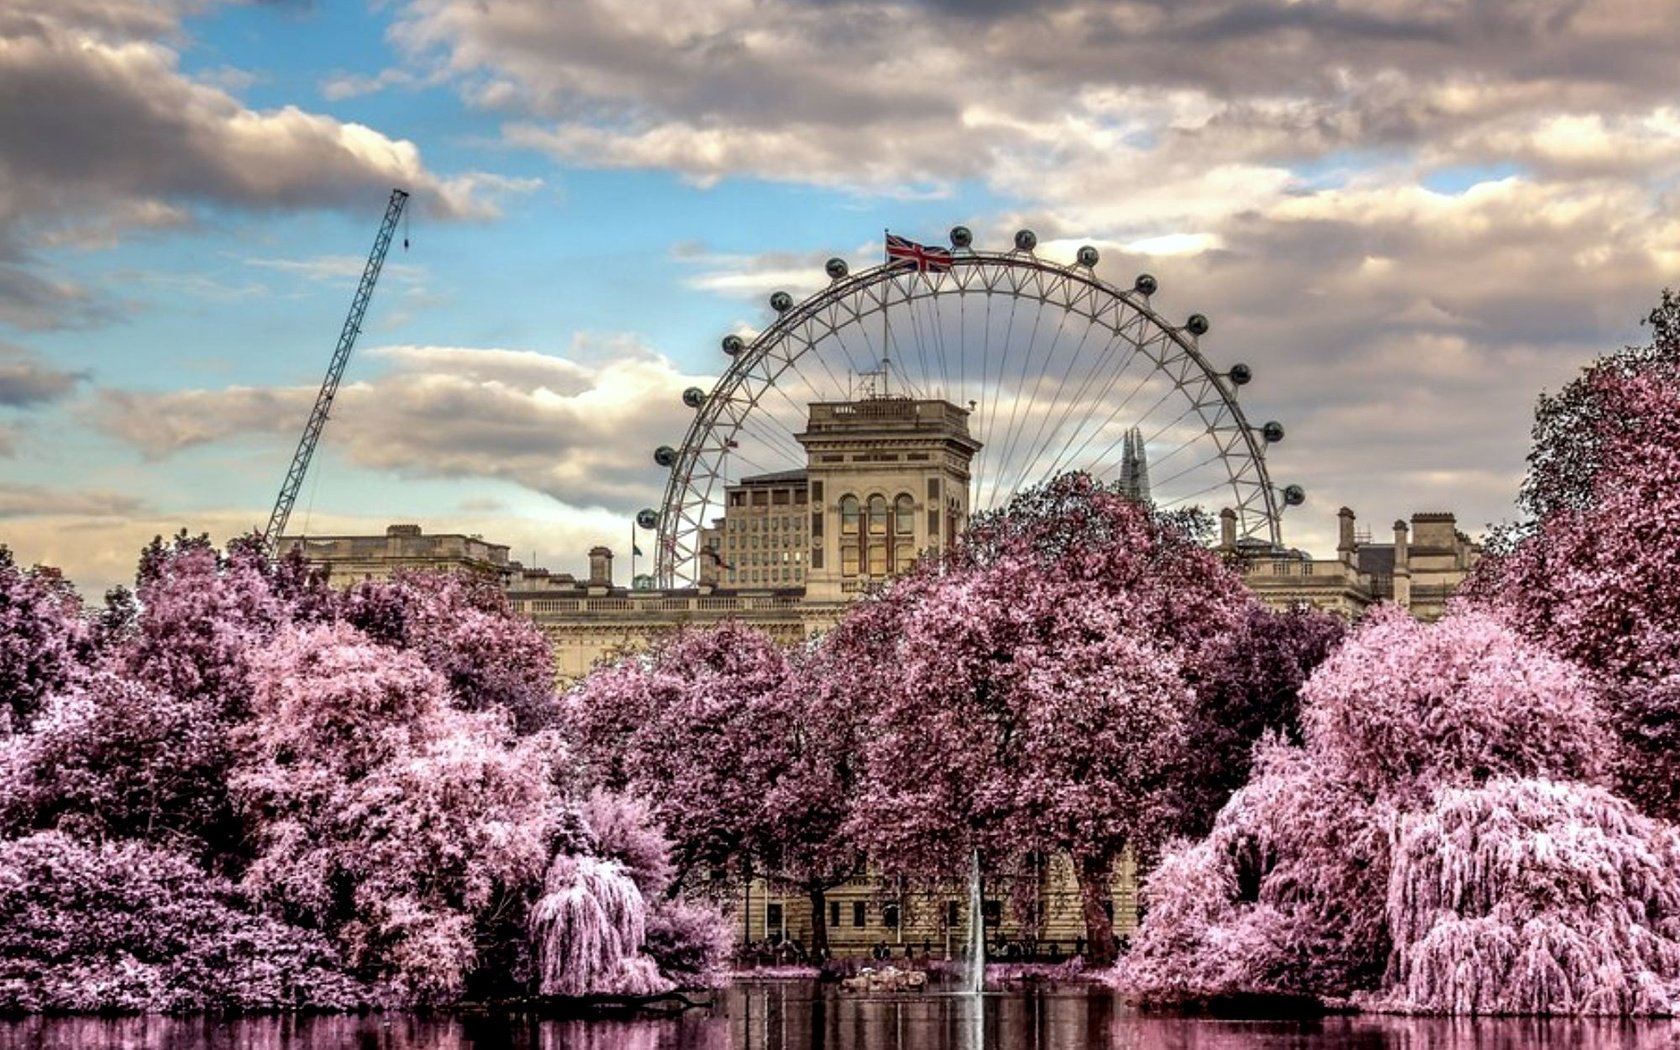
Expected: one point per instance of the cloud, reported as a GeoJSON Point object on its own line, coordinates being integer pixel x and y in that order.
{"type": "Point", "coordinates": [579, 429]}
{"type": "Point", "coordinates": [32, 501]}
{"type": "Point", "coordinates": [27, 381]}
{"type": "Point", "coordinates": [131, 142]}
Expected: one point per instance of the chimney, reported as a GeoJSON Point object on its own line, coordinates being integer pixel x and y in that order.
{"type": "Point", "coordinates": [1227, 529]}
{"type": "Point", "coordinates": [600, 567]}
{"type": "Point", "coordinates": [1345, 544]}
{"type": "Point", "coordinates": [1402, 567]}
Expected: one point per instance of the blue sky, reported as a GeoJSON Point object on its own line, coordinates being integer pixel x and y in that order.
{"type": "Point", "coordinates": [1409, 221]}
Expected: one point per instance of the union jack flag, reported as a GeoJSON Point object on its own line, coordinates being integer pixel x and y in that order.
{"type": "Point", "coordinates": [924, 258]}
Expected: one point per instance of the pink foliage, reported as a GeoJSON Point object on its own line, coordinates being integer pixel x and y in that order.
{"type": "Point", "coordinates": [1404, 707]}
{"type": "Point", "coordinates": [626, 831]}
{"type": "Point", "coordinates": [462, 627]}
{"type": "Point", "coordinates": [1029, 693]}
{"type": "Point", "coordinates": [1597, 579]}
{"type": "Point", "coordinates": [690, 941]}
{"type": "Point", "coordinates": [1283, 898]}
{"type": "Point", "coordinates": [201, 617]}
{"type": "Point", "coordinates": [1286, 896]}
{"type": "Point", "coordinates": [1247, 683]}
{"type": "Point", "coordinates": [1533, 897]}
{"type": "Point", "coordinates": [130, 927]}
{"type": "Point", "coordinates": [692, 728]}
{"type": "Point", "coordinates": [112, 757]}
{"type": "Point", "coordinates": [42, 635]}
{"type": "Point", "coordinates": [588, 927]}
{"type": "Point", "coordinates": [358, 776]}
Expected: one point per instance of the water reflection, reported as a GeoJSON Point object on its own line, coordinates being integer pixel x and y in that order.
{"type": "Point", "coordinates": [802, 1016]}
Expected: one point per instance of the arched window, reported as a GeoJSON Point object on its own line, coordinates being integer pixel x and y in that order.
{"type": "Point", "coordinates": [877, 515]}
{"type": "Point", "coordinates": [904, 514]}
{"type": "Point", "coordinates": [848, 515]}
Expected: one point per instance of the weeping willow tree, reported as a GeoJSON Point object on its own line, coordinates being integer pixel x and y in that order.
{"type": "Point", "coordinates": [1533, 897]}
{"type": "Point", "coordinates": [588, 929]}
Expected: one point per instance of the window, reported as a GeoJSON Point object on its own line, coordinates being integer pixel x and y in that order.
{"type": "Point", "coordinates": [848, 560]}
{"type": "Point", "coordinates": [859, 909]}
{"type": "Point", "coordinates": [933, 526]}
{"type": "Point", "coordinates": [933, 488]}
{"type": "Point", "coordinates": [1306, 568]}
{"type": "Point", "coordinates": [848, 515]}
{"type": "Point", "coordinates": [953, 914]}
{"type": "Point", "coordinates": [904, 515]}
{"type": "Point", "coordinates": [816, 523]}
{"type": "Point", "coordinates": [877, 559]}
{"type": "Point", "coordinates": [877, 515]}
{"type": "Point", "coordinates": [889, 916]}
{"type": "Point", "coordinates": [773, 918]}
{"type": "Point", "coordinates": [834, 913]}
{"type": "Point", "coordinates": [994, 913]}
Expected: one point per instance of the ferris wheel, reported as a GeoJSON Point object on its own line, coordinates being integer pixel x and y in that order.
{"type": "Point", "coordinates": [1059, 371]}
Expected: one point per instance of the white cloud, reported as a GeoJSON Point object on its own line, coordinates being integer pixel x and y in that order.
{"type": "Point", "coordinates": [574, 430]}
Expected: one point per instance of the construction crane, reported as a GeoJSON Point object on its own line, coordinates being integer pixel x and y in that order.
{"type": "Point", "coordinates": [335, 372]}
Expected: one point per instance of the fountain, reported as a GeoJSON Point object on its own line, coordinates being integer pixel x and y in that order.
{"type": "Point", "coordinates": [976, 931]}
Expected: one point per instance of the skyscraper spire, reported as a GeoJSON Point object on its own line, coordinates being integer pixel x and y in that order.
{"type": "Point", "coordinates": [1140, 468]}
{"type": "Point", "coordinates": [1134, 467]}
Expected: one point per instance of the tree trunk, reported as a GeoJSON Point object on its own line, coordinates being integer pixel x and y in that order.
{"type": "Point", "coordinates": [819, 921]}
{"type": "Point", "coordinates": [1096, 878]}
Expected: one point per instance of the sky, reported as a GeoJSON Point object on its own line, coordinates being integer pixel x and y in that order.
{"type": "Point", "coordinates": [1409, 217]}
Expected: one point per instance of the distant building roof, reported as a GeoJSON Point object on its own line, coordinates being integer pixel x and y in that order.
{"type": "Point", "coordinates": [780, 477]}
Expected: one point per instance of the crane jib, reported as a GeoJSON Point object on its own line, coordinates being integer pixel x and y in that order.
{"type": "Point", "coordinates": [335, 371]}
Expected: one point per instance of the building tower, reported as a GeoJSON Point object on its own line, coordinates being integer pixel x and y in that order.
{"type": "Point", "coordinates": [888, 479]}
{"type": "Point", "coordinates": [1134, 467]}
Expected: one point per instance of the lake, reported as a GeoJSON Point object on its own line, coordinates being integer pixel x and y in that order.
{"type": "Point", "coordinates": [798, 1015]}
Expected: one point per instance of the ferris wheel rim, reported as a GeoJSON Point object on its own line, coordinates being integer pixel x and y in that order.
{"type": "Point", "coordinates": [722, 414]}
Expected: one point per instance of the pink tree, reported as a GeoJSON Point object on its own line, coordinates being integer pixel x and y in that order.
{"type": "Point", "coordinates": [692, 727]}
{"type": "Point", "coordinates": [42, 639]}
{"type": "Point", "coordinates": [114, 758]}
{"type": "Point", "coordinates": [201, 616]}
{"type": "Point", "coordinates": [386, 817]}
{"type": "Point", "coordinates": [1247, 684]}
{"type": "Point", "coordinates": [1286, 896]}
{"type": "Point", "coordinates": [126, 926]}
{"type": "Point", "coordinates": [461, 625]}
{"type": "Point", "coordinates": [1533, 897]}
{"type": "Point", "coordinates": [1034, 699]}
{"type": "Point", "coordinates": [1597, 578]}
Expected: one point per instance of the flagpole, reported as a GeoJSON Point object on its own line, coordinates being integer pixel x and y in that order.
{"type": "Point", "coordinates": [632, 553]}
{"type": "Point", "coordinates": [886, 338]}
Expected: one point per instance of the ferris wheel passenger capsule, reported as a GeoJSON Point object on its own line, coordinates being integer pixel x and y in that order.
{"type": "Point", "coordinates": [781, 302]}
{"type": "Point", "coordinates": [1272, 432]}
{"type": "Point", "coordinates": [664, 455]}
{"type": "Point", "coordinates": [1087, 256]}
{"type": "Point", "coordinates": [1146, 284]}
{"type": "Point", "coordinates": [961, 236]}
{"type": "Point", "coordinates": [836, 268]}
{"type": "Point", "coordinates": [647, 518]}
{"type": "Point", "coordinates": [1240, 375]}
{"type": "Point", "coordinates": [1294, 495]}
{"type": "Point", "coordinates": [733, 344]}
{"type": "Point", "coordinates": [694, 397]}
{"type": "Point", "coordinates": [1197, 324]}
{"type": "Point", "coordinates": [1025, 240]}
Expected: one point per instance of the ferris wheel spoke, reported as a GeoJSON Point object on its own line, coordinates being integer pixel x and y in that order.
{"type": "Point", "coordinates": [1038, 445]}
